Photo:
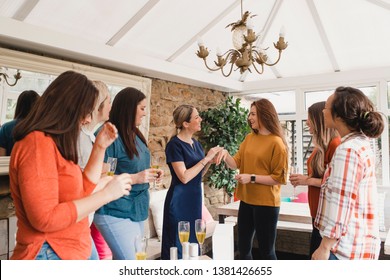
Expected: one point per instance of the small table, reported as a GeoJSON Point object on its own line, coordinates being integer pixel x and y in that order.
{"type": "Point", "coordinates": [289, 211]}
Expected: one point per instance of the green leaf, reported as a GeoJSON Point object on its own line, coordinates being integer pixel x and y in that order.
{"type": "Point", "coordinates": [226, 126]}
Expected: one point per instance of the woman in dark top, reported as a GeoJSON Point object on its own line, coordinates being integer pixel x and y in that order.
{"type": "Point", "coordinates": [26, 101]}
{"type": "Point", "coordinates": [187, 163]}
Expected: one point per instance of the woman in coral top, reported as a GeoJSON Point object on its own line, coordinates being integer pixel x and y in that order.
{"type": "Point", "coordinates": [325, 142]}
{"type": "Point", "coordinates": [262, 161]}
{"type": "Point", "coordinates": [52, 196]}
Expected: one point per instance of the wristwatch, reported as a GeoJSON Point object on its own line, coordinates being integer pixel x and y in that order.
{"type": "Point", "coordinates": [253, 178]}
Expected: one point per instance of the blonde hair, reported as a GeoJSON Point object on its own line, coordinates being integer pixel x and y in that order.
{"type": "Point", "coordinates": [103, 95]}
{"type": "Point", "coordinates": [180, 115]}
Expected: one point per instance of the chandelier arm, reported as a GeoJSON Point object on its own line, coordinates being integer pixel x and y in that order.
{"type": "Point", "coordinates": [230, 71]}
{"type": "Point", "coordinates": [231, 53]}
{"type": "Point", "coordinates": [211, 69]}
{"type": "Point", "coordinates": [272, 64]}
{"type": "Point", "coordinates": [262, 68]}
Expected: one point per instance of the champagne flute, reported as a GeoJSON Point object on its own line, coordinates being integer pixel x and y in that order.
{"type": "Point", "coordinates": [155, 165]}
{"type": "Point", "coordinates": [111, 161]}
{"type": "Point", "coordinates": [184, 231]}
{"type": "Point", "coordinates": [140, 244]}
{"type": "Point", "coordinates": [200, 230]}
{"type": "Point", "coordinates": [294, 169]}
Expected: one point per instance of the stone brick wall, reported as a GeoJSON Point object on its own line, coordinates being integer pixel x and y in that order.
{"type": "Point", "coordinates": [165, 97]}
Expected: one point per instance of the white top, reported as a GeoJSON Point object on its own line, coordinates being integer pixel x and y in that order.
{"type": "Point", "coordinates": [86, 140]}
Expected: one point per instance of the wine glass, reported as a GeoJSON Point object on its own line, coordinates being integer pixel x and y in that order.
{"type": "Point", "coordinates": [294, 169]}
{"type": "Point", "coordinates": [140, 244]}
{"type": "Point", "coordinates": [111, 161]}
{"type": "Point", "coordinates": [155, 165]}
{"type": "Point", "coordinates": [200, 230]}
{"type": "Point", "coordinates": [184, 231]}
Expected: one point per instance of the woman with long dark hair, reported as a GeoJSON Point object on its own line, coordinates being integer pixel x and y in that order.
{"type": "Point", "coordinates": [24, 104]}
{"type": "Point", "coordinates": [52, 195]}
{"type": "Point", "coordinates": [122, 220]}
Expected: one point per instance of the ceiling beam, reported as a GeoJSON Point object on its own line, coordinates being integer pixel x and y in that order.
{"type": "Point", "coordinates": [263, 33]}
{"type": "Point", "coordinates": [380, 3]}
{"type": "Point", "coordinates": [132, 22]}
{"type": "Point", "coordinates": [25, 9]}
{"type": "Point", "coordinates": [28, 37]}
{"type": "Point", "coordinates": [322, 33]}
{"type": "Point", "coordinates": [184, 47]}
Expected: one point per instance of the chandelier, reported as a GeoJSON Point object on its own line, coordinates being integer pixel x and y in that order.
{"type": "Point", "coordinates": [245, 54]}
{"type": "Point", "coordinates": [17, 76]}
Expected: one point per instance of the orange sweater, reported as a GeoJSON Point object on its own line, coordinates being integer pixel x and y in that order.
{"type": "Point", "coordinates": [43, 186]}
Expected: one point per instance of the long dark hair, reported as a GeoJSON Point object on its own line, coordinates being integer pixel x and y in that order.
{"type": "Point", "coordinates": [122, 115]}
{"type": "Point", "coordinates": [68, 100]}
{"type": "Point", "coordinates": [321, 138]}
{"type": "Point", "coordinates": [26, 101]}
{"type": "Point", "coordinates": [357, 111]}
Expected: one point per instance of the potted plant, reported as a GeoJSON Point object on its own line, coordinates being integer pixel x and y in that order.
{"type": "Point", "coordinates": [226, 126]}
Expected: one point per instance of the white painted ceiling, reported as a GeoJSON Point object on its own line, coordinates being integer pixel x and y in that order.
{"type": "Point", "coordinates": [158, 38]}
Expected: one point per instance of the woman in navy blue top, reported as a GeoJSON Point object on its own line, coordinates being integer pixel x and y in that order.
{"type": "Point", "coordinates": [187, 163]}
{"type": "Point", "coordinates": [121, 220]}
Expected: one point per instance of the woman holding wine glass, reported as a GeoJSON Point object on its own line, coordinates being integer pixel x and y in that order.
{"type": "Point", "coordinates": [187, 163]}
{"type": "Point", "coordinates": [123, 219]}
{"type": "Point", "coordinates": [325, 142]}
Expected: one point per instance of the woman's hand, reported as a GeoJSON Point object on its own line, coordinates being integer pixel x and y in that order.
{"type": "Point", "coordinates": [106, 135]}
{"type": "Point", "coordinates": [320, 254]}
{"type": "Point", "coordinates": [146, 176]}
{"type": "Point", "coordinates": [119, 186]}
{"type": "Point", "coordinates": [243, 178]}
{"type": "Point", "coordinates": [298, 179]}
{"type": "Point", "coordinates": [160, 175]}
{"type": "Point", "coordinates": [212, 154]}
{"type": "Point", "coordinates": [221, 156]}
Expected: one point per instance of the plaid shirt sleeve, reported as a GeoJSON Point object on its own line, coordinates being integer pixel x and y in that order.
{"type": "Point", "coordinates": [341, 190]}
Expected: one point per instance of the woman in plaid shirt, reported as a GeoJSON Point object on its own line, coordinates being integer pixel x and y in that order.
{"type": "Point", "coordinates": [347, 216]}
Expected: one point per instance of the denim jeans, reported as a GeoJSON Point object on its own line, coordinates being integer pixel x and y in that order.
{"type": "Point", "coordinates": [119, 234]}
{"type": "Point", "coordinates": [47, 253]}
{"type": "Point", "coordinates": [332, 257]}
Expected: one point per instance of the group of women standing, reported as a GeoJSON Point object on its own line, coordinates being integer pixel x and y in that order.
{"type": "Point", "coordinates": [52, 216]}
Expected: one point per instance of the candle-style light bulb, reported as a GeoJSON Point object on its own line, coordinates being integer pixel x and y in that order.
{"type": "Point", "coordinates": [200, 42]}
{"type": "Point", "coordinates": [282, 32]}
{"type": "Point", "coordinates": [249, 24]}
{"type": "Point", "coordinates": [219, 53]}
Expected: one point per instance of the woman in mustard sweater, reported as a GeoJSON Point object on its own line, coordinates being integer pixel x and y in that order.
{"type": "Point", "coordinates": [262, 160]}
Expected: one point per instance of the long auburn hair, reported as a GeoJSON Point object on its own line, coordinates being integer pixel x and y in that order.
{"type": "Point", "coordinates": [268, 117]}
{"type": "Point", "coordinates": [322, 136]}
{"type": "Point", "coordinates": [122, 115]}
{"type": "Point", "coordinates": [68, 100]}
